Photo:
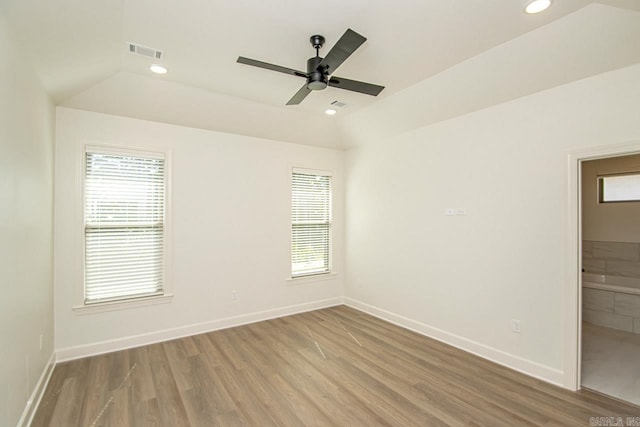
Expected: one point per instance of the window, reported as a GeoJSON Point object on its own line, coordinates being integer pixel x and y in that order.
{"type": "Point", "coordinates": [310, 222]}
{"type": "Point", "coordinates": [124, 225]}
{"type": "Point", "coordinates": [619, 188]}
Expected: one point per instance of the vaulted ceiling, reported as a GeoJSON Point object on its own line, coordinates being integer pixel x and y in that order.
{"type": "Point", "coordinates": [79, 50]}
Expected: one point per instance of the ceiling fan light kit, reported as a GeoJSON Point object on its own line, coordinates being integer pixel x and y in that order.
{"type": "Point", "coordinates": [320, 70]}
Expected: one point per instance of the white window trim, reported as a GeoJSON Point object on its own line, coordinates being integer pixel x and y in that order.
{"type": "Point", "coordinates": [101, 307]}
{"type": "Point", "coordinates": [317, 277]}
{"type": "Point", "coordinates": [311, 278]}
{"type": "Point", "coordinates": [79, 306]}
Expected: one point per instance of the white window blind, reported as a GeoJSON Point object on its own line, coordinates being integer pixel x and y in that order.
{"type": "Point", "coordinates": [311, 223]}
{"type": "Point", "coordinates": [124, 226]}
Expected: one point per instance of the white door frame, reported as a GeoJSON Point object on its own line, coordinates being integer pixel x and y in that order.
{"type": "Point", "coordinates": [573, 296]}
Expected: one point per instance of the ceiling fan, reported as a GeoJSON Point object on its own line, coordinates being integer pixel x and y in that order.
{"type": "Point", "coordinates": [320, 71]}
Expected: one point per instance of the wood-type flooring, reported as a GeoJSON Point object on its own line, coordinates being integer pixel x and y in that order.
{"type": "Point", "coordinates": [330, 367]}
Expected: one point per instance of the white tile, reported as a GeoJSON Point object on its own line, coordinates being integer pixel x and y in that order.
{"type": "Point", "coordinates": [610, 362]}
{"type": "Point", "coordinates": [587, 249]}
{"type": "Point", "coordinates": [608, 320]}
{"type": "Point", "coordinates": [631, 392]}
{"type": "Point", "coordinates": [594, 299]}
{"type": "Point", "coordinates": [615, 251]}
{"type": "Point", "coordinates": [627, 282]}
{"type": "Point", "coordinates": [627, 305]}
{"type": "Point", "coordinates": [623, 268]}
{"type": "Point", "coordinates": [593, 278]}
{"type": "Point", "coordinates": [593, 266]}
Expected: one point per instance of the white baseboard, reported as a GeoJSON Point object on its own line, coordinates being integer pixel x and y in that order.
{"type": "Point", "coordinates": [38, 392]}
{"type": "Point", "coordinates": [528, 367]}
{"type": "Point", "coordinates": [77, 352]}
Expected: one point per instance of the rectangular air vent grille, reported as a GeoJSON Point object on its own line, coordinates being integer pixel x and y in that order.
{"type": "Point", "coordinates": [149, 52]}
{"type": "Point", "coordinates": [339, 104]}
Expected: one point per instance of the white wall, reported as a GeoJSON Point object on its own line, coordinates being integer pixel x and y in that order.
{"type": "Point", "coordinates": [26, 188]}
{"type": "Point", "coordinates": [464, 278]}
{"type": "Point", "coordinates": [231, 231]}
{"type": "Point", "coordinates": [608, 222]}
{"type": "Point", "coordinates": [156, 99]}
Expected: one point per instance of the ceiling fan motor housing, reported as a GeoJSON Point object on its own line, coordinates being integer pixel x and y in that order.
{"type": "Point", "coordinates": [317, 79]}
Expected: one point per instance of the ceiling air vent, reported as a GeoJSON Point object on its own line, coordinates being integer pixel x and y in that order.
{"type": "Point", "coordinates": [338, 104]}
{"type": "Point", "coordinates": [149, 52]}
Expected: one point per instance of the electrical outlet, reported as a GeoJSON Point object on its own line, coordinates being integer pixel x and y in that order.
{"type": "Point", "coordinates": [516, 326]}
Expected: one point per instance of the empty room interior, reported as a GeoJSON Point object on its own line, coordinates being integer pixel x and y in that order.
{"type": "Point", "coordinates": [288, 213]}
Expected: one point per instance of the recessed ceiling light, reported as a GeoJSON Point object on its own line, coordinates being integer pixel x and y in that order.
{"type": "Point", "coordinates": [536, 6]}
{"type": "Point", "coordinates": [158, 69]}
{"type": "Point", "coordinates": [330, 111]}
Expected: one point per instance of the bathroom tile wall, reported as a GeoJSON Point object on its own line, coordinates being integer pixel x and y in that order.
{"type": "Point", "coordinates": [611, 309]}
{"type": "Point", "coordinates": [611, 258]}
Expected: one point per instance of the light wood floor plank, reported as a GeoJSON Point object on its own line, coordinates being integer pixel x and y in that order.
{"type": "Point", "coordinates": [491, 376]}
{"type": "Point", "coordinates": [450, 385]}
{"type": "Point", "coordinates": [454, 361]}
{"type": "Point", "coordinates": [142, 387]}
{"type": "Point", "coordinates": [317, 381]}
{"type": "Point", "coordinates": [170, 403]}
{"type": "Point", "coordinates": [367, 358]}
{"type": "Point", "coordinates": [331, 367]}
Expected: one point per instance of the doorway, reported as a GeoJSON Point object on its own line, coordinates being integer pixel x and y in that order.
{"type": "Point", "coordinates": [573, 280]}
{"type": "Point", "coordinates": [609, 275]}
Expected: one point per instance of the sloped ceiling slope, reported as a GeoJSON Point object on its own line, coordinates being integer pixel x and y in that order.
{"type": "Point", "coordinates": [591, 41]}
{"type": "Point", "coordinates": [138, 96]}
{"type": "Point", "coordinates": [79, 49]}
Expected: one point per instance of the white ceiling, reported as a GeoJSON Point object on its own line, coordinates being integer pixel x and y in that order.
{"type": "Point", "coordinates": [79, 50]}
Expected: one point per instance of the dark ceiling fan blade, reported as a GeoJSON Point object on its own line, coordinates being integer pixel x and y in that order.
{"type": "Point", "coordinates": [355, 86]}
{"type": "Point", "coordinates": [272, 67]}
{"type": "Point", "coordinates": [347, 44]}
{"type": "Point", "coordinates": [300, 95]}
